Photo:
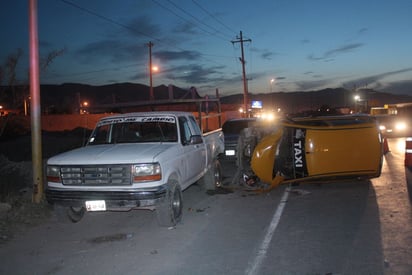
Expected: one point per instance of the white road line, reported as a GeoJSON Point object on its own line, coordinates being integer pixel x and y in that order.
{"type": "Point", "coordinates": [255, 266]}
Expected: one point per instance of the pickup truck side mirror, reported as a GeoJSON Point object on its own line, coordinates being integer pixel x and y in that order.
{"type": "Point", "coordinates": [196, 139]}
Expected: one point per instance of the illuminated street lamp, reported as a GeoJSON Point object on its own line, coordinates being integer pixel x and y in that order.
{"type": "Point", "coordinates": [83, 107]}
{"type": "Point", "coordinates": [271, 84]}
{"type": "Point", "coordinates": [26, 104]}
{"type": "Point", "coordinates": [357, 99]}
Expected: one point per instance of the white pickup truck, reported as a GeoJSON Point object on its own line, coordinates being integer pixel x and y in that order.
{"type": "Point", "coordinates": [136, 161]}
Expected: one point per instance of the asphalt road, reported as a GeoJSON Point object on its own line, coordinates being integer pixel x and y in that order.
{"type": "Point", "coordinates": [353, 227]}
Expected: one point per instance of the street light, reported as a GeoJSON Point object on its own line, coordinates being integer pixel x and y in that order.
{"type": "Point", "coordinates": [271, 84]}
{"type": "Point", "coordinates": [84, 105]}
{"type": "Point", "coordinates": [357, 99]}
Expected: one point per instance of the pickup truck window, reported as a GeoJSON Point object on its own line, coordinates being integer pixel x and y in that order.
{"type": "Point", "coordinates": [135, 132]}
{"type": "Point", "coordinates": [184, 130]}
{"type": "Point", "coordinates": [195, 127]}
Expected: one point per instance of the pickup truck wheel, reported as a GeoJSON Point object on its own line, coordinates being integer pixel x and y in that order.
{"type": "Point", "coordinates": [169, 212]}
{"type": "Point", "coordinates": [213, 178]}
{"type": "Point", "coordinates": [73, 214]}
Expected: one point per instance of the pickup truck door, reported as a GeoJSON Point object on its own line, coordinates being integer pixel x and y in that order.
{"type": "Point", "coordinates": [194, 156]}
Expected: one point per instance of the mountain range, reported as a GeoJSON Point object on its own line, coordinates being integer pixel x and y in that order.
{"type": "Point", "coordinates": [66, 98]}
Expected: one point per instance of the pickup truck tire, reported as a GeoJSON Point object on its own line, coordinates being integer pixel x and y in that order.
{"type": "Point", "coordinates": [73, 214]}
{"type": "Point", "coordinates": [169, 212]}
{"type": "Point", "coordinates": [213, 177]}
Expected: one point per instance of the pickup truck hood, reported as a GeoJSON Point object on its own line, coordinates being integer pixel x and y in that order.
{"type": "Point", "coordinates": [112, 154]}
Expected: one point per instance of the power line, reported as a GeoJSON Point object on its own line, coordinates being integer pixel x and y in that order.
{"type": "Point", "coordinates": [108, 19]}
{"type": "Point", "coordinates": [135, 30]}
{"type": "Point", "coordinates": [190, 22]}
{"type": "Point", "coordinates": [195, 18]}
{"type": "Point", "coordinates": [214, 17]}
{"type": "Point", "coordinates": [128, 27]}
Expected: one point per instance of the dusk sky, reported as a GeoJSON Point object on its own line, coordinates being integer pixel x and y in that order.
{"type": "Point", "coordinates": [302, 45]}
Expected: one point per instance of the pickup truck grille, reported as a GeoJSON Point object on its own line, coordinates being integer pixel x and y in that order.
{"type": "Point", "coordinates": [96, 175]}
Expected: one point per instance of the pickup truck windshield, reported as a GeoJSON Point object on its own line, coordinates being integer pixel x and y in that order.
{"type": "Point", "coordinates": [134, 132]}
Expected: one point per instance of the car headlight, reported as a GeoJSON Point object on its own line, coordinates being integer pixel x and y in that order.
{"type": "Point", "coordinates": [146, 172]}
{"type": "Point", "coordinates": [53, 174]}
{"type": "Point", "coordinates": [400, 126]}
{"type": "Point", "coordinates": [382, 127]}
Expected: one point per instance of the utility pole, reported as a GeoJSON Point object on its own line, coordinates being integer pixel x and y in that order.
{"type": "Point", "coordinates": [242, 60]}
{"type": "Point", "coordinates": [150, 45]}
{"type": "Point", "coordinates": [35, 110]}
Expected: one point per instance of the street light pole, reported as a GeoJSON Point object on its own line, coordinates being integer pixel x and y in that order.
{"type": "Point", "coordinates": [150, 45]}
{"type": "Point", "coordinates": [271, 84]}
{"type": "Point", "coordinates": [35, 110]}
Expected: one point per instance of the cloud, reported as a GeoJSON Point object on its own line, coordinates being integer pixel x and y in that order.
{"type": "Point", "coordinates": [185, 28]}
{"type": "Point", "coordinates": [143, 26]}
{"type": "Point", "coordinates": [195, 74]}
{"type": "Point", "coordinates": [112, 50]}
{"type": "Point", "coordinates": [191, 74]}
{"type": "Point", "coordinates": [264, 54]}
{"type": "Point", "coordinates": [267, 55]}
{"type": "Point", "coordinates": [398, 87]}
{"type": "Point", "coordinates": [182, 55]}
{"type": "Point", "coordinates": [362, 31]}
{"type": "Point", "coordinates": [327, 56]}
{"type": "Point", "coordinates": [313, 84]}
{"type": "Point", "coordinates": [374, 79]}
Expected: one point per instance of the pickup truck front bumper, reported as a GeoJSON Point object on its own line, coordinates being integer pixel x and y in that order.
{"type": "Point", "coordinates": [115, 200]}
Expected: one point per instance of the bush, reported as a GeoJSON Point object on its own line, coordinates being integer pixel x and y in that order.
{"type": "Point", "coordinates": [15, 176]}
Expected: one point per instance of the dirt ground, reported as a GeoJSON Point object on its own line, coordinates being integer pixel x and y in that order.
{"type": "Point", "coordinates": [17, 211]}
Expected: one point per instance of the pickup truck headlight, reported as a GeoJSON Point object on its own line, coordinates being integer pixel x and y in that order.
{"type": "Point", "coordinates": [53, 174]}
{"type": "Point", "coordinates": [146, 172]}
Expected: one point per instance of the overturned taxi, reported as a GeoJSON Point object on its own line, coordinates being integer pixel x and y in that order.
{"type": "Point", "coordinates": [320, 148]}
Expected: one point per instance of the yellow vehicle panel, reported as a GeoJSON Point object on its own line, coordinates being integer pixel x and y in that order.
{"type": "Point", "coordinates": [353, 151]}
{"type": "Point", "coordinates": [263, 158]}
{"type": "Point", "coordinates": [319, 148]}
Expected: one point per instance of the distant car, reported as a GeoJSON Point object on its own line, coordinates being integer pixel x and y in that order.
{"type": "Point", "coordinates": [394, 125]}
{"type": "Point", "coordinates": [313, 149]}
{"type": "Point", "coordinates": [231, 130]}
